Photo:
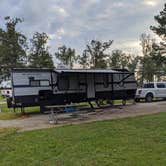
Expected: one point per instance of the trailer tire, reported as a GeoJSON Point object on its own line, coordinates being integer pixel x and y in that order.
{"type": "Point", "coordinates": [9, 102]}
{"type": "Point", "coordinates": [149, 97]}
{"type": "Point", "coordinates": [42, 109]}
{"type": "Point", "coordinates": [137, 100]}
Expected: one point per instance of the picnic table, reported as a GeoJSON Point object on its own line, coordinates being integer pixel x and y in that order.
{"type": "Point", "coordinates": [54, 109]}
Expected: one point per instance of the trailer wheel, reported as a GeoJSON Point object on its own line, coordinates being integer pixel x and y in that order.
{"type": "Point", "coordinates": [137, 100]}
{"type": "Point", "coordinates": [149, 97]}
{"type": "Point", "coordinates": [42, 109]}
{"type": "Point", "coordinates": [9, 102]}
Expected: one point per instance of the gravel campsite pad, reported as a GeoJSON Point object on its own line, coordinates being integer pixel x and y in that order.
{"type": "Point", "coordinates": [38, 121]}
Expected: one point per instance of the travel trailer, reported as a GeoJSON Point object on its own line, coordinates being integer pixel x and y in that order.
{"type": "Point", "coordinates": [41, 87]}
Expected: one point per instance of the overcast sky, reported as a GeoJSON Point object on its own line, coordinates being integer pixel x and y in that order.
{"type": "Point", "coordinates": [75, 22]}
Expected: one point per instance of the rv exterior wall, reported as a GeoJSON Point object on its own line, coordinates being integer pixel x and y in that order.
{"type": "Point", "coordinates": [35, 87]}
{"type": "Point", "coordinates": [21, 83]}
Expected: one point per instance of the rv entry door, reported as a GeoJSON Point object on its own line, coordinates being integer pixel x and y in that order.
{"type": "Point", "coordinates": [90, 86]}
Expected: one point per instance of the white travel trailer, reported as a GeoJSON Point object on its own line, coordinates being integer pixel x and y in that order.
{"type": "Point", "coordinates": [41, 87]}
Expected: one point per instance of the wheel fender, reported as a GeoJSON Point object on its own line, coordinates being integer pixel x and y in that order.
{"type": "Point", "coordinates": [152, 93]}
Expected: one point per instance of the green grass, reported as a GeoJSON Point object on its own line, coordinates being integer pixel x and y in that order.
{"type": "Point", "coordinates": [2, 98]}
{"type": "Point", "coordinates": [4, 108]}
{"type": "Point", "coordinates": [7, 131]}
{"type": "Point", "coordinates": [7, 113]}
{"type": "Point", "coordinates": [139, 141]}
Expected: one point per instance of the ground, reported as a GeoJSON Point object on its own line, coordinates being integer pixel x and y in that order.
{"type": "Point", "coordinates": [38, 121]}
{"type": "Point", "coordinates": [136, 141]}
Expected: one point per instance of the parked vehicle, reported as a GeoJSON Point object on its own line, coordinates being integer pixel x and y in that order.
{"type": "Point", "coordinates": [151, 90]}
{"type": "Point", "coordinates": [41, 87]}
{"type": "Point", "coordinates": [6, 90]}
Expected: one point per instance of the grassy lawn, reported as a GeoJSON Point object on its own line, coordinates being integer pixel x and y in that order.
{"type": "Point", "coordinates": [7, 113]}
{"type": "Point", "coordinates": [2, 98]}
{"type": "Point", "coordinates": [4, 109]}
{"type": "Point", "coordinates": [139, 141]}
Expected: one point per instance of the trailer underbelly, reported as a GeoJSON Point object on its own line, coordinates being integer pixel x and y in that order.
{"type": "Point", "coordinates": [58, 99]}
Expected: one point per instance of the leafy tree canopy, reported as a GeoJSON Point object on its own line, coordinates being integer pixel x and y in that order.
{"type": "Point", "coordinates": [160, 29]}
{"type": "Point", "coordinates": [96, 53]}
{"type": "Point", "coordinates": [66, 55]}
{"type": "Point", "coordinates": [39, 56]}
{"type": "Point", "coordinates": [12, 46]}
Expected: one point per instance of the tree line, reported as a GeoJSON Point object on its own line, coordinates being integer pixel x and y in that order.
{"type": "Point", "coordinates": [16, 51]}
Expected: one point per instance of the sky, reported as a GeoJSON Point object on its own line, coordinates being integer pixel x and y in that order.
{"type": "Point", "coordinates": [76, 22]}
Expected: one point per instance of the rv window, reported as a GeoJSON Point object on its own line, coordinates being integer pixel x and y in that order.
{"type": "Point", "coordinates": [34, 83]}
{"type": "Point", "coordinates": [44, 83]}
{"type": "Point", "coordinates": [63, 83]}
{"type": "Point", "coordinates": [105, 80]}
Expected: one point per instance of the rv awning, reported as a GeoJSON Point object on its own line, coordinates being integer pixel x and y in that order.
{"type": "Point", "coordinates": [88, 71]}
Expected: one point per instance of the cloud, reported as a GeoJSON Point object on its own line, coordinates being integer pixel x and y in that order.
{"type": "Point", "coordinates": [75, 22]}
{"type": "Point", "coordinates": [128, 46]}
{"type": "Point", "coordinates": [61, 31]}
{"type": "Point", "coordinates": [151, 3]}
{"type": "Point", "coordinates": [60, 11]}
{"type": "Point", "coordinates": [118, 4]}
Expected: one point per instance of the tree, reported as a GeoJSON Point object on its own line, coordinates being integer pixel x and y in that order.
{"type": "Point", "coordinates": [12, 46]}
{"type": "Point", "coordinates": [96, 53]}
{"type": "Point", "coordinates": [117, 60]}
{"type": "Point", "coordinates": [153, 64]}
{"type": "Point", "coordinates": [39, 56]}
{"type": "Point", "coordinates": [84, 60]}
{"type": "Point", "coordinates": [66, 55]}
{"type": "Point", "coordinates": [147, 68]}
{"type": "Point", "coordinates": [121, 60]}
{"type": "Point", "coordinates": [133, 62]}
{"type": "Point", "coordinates": [160, 30]}
{"type": "Point", "coordinates": [159, 61]}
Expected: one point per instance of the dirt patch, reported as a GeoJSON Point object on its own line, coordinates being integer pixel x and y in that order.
{"type": "Point", "coordinates": [39, 121]}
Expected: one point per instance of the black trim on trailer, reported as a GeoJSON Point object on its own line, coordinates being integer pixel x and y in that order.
{"type": "Point", "coordinates": [96, 83]}
{"type": "Point", "coordinates": [117, 82]}
{"type": "Point", "coordinates": [52, 86]}
{"type": "Point", "coordinates": [112, 79]}
{"type": "Point", "coordinates": [125, 78]}
{"type": "Point", "coordinates": [66, 79]}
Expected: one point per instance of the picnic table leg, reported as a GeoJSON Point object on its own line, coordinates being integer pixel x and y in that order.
{"type": "Point", "coordinates": [52, 115]}
{"type": "Point", "coordinates": [56, 116]}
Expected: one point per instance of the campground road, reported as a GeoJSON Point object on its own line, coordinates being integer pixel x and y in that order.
{"type": "Point", "coordinates": [39, 121]}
